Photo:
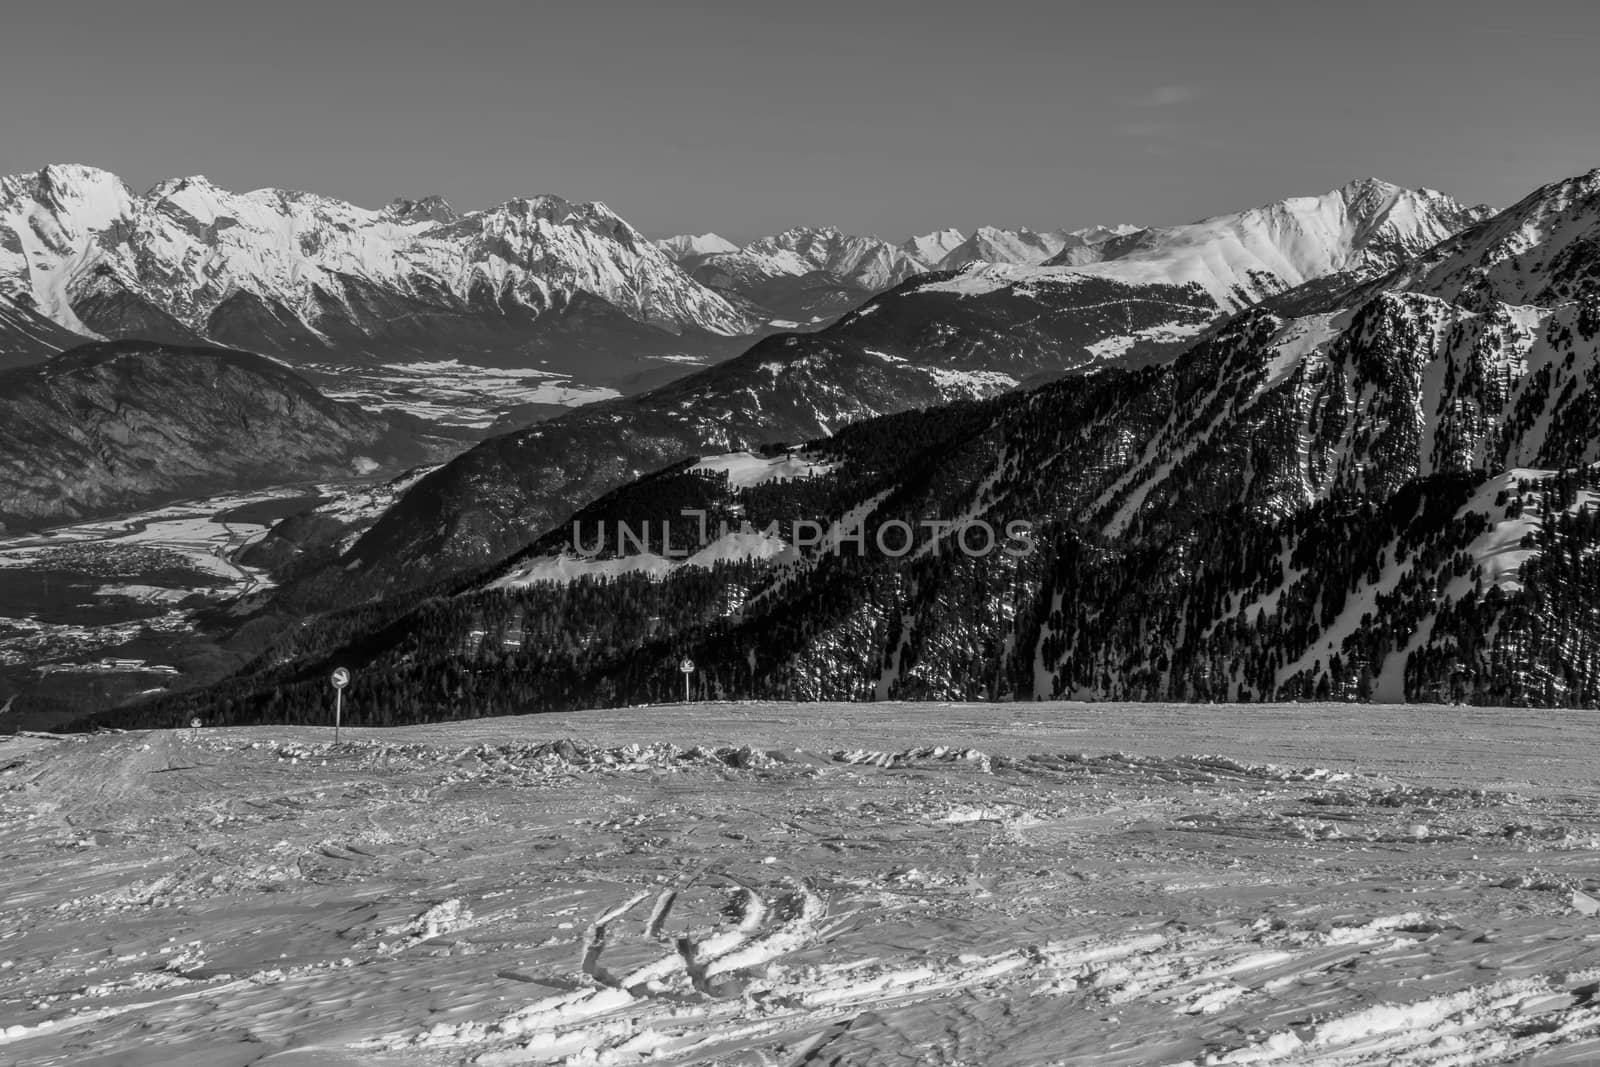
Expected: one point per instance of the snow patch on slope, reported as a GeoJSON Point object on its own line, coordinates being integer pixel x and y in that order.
{"type": "Point", "coordinates": [746, 469]}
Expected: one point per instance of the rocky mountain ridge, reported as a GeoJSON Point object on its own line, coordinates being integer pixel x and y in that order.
{"type": "Point", "coordinates": [111, 427]}
{"type": "Point", "coordinates": [307, 277]}
{"type": "Point", "coordinates": [811, 274]}
{"type": "Point", "coordinates": [28, 337]}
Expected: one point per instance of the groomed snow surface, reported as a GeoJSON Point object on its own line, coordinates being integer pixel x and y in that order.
{"type": "Point", "coordinates": [811, 884]}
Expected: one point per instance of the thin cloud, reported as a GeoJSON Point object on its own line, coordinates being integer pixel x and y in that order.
{"type": "Point", "coordinates": [1165, 96]}
{"type": "Point", "coordinates": [1157, 130]}
{"type": "Point", "coordinates": [1145, 129]}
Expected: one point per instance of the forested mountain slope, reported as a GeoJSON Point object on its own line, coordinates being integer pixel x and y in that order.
{"type": "Point", "coordinates": [117, 425]}
{"type": "Point", "coordinates": [1390, 498]}
{"type": "Point", "coordinates": [936, 338]}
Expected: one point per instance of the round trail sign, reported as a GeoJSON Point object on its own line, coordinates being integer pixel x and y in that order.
{"type": "Point", "coordinates": [341, 678]}
{"type": "Point", "coordinates": [686, 665]}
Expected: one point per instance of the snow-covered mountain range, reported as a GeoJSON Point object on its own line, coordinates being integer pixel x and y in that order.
{"type": "Point", "coordinates": [930, 249]}
{"type": "Point", "coordinates": [300, 275]}
{"type": "Point", "coordinates": [811, 274]}
{"type": "Point", "coordinates": [1543, 250]}
{"type": "Point", "coordinates": [689, 245]}
{"type": "Point", "coordinates": [803, 275]}
{"type": "Point", "coordinates": [1025, 247]}
{"type": "Point", "coordinates": [1363, 229]}
{"type": "Point", "coordinates": [1386, 489]}
{"type": "Point", "coordinates": [933, 339]}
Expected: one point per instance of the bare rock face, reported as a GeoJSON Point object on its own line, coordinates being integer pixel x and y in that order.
{"type": "Point", "coordinates": [28, 337]}
{"type": "Point", "coordinates": [112, 426]}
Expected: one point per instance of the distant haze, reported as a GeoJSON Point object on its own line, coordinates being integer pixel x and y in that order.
{"type": "Point", "coordinates": [878, 116]}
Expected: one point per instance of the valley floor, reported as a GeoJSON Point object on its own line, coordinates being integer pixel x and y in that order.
{"type": "Point", "coordinates": [94, 612]}
{"type": "Point", "coordinates": [812, 884]}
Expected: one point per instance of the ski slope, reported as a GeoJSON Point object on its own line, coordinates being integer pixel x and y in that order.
{"type": "Point", "coordinates": [806, 884]}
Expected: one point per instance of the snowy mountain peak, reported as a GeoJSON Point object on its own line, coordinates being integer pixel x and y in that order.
{"type": "Point", "coordinates": [95, 196]}
{"type": "Point", "coordinates": [1356, 188]}
{"type": "Point", "coordinates": [1093, 235]}
{"type": "Point", "coordinates": [990, 244]}
{"type": "Point", "coordinates": [929, 249]}
{"type": "Point", "coordinates": [1364, 229]}
{"type": "Point", "coordinates": [819, 246]}
{"type": "Point", "coordinates": [804, 274]}
{"type": "Point", "coordinates": [1370, 191]}
{"type": "Point", "coordinates": [685, 245]}
{"type": "Point", "coordinates": [594, 216]}
{"type": "Point", "coordinates": [1543, 249]}
{"type": "Point", "coordinates": [69, 178]}
{"type": "Point", "coordinates": [288, 271]}
{"type": "Point", "coordinates": [431, 208]}
{"type": "Point", "coordinates": [868, 262]}
{"type": "Point", "coordinates": [545, 205]}
{"type": "Point", "coordinates": [170, 185]}
{"type": "Point", "coordinates": [796, 234]}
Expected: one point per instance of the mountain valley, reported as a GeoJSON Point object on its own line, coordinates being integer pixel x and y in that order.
{"type": "Point", "coordinates": [1380, 490]}
{"type": "Point", "coordinates": [935, 338]}
{"type": "Point", "coordinates": [1185, 418]}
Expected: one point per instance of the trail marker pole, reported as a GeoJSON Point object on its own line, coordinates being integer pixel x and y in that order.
{"type": "Point", "coordinates": [686, 665]}
{"type": "Point", "coordinates": [341, 678]}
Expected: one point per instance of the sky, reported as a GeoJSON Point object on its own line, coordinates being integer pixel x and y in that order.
{"type": "Point", "coordinates": [878, 116]}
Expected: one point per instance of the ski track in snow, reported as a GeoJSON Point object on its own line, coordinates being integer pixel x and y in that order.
{"type": "Point", "coordinates": [810, 884]}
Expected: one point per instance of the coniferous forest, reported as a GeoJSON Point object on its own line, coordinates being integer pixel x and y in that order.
{"type": "Point", "coordinates": [1197, 532]}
